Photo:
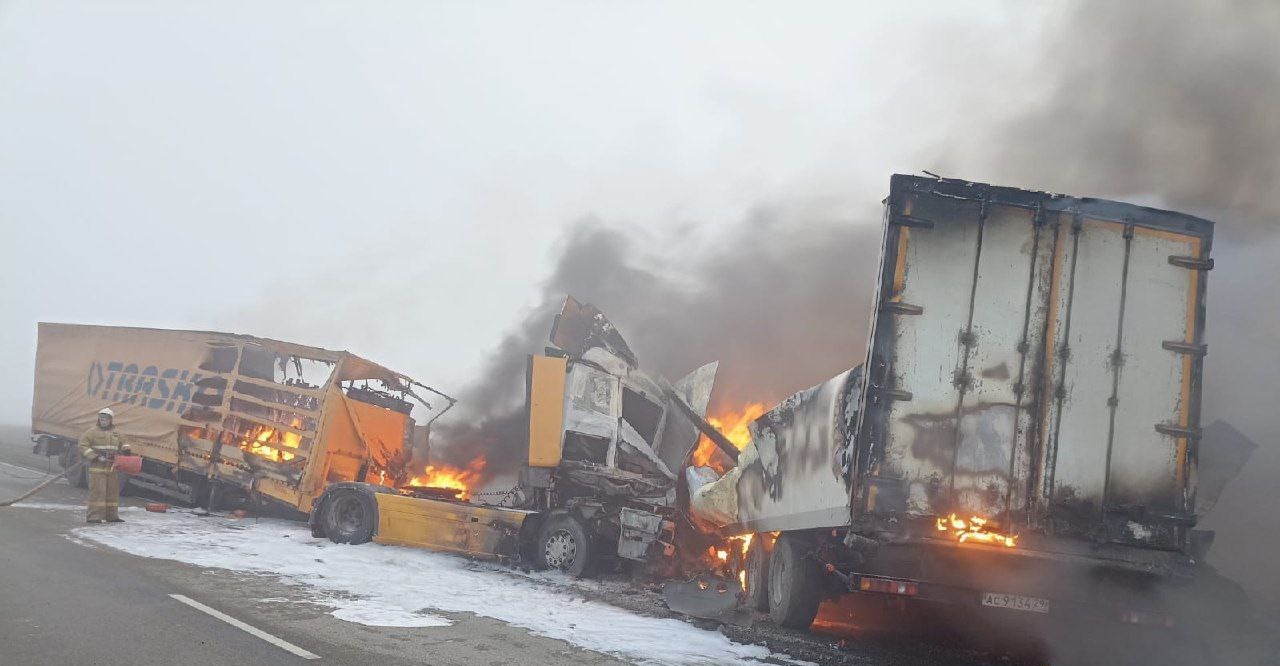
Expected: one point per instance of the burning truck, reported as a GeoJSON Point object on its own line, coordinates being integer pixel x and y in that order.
{"type": "Point", "coordinates": [606, 441]}
{"type": "Point", "coordinates": [235, 418]}
{"type": "Point", "coordinates": [1020, 446]}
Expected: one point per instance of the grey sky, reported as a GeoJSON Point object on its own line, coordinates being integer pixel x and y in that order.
{"type": "Point", "coordinates": [391, 177]}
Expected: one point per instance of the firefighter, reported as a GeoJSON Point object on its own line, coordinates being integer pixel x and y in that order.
{"type": "Point", "coordinates": [99, 446]}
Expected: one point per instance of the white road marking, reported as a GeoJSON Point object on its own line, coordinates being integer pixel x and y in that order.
{"type": "Point", "coordinates": [28, 469]}
{"type": "Point", "coordinates": [278, 642]}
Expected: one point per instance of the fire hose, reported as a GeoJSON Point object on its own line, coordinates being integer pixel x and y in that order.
{"type": "Point", "coordinates": [45, 484]}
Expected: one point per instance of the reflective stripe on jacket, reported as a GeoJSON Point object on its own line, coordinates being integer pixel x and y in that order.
{"type": "Point", "coordinates": [97, 441]}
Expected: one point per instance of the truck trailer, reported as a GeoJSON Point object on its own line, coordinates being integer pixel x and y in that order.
{"type": "Point", "coordinates": [1020, 443]}
{"type": "Point", "coordinates": [220, 414]}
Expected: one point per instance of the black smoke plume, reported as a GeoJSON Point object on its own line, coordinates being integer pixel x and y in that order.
{"type": "Point", "coordinates": [781, 298]}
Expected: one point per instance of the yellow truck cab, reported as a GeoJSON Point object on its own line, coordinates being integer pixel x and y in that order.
{"type": "Point", "coordinates": [606, 443]}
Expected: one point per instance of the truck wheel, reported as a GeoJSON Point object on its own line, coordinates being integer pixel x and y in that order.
{"type": "Point", "coordinates": [350, 516]}
{"type": "Point", "coordinates": [565, 545]}
{"type": "Point", "coordinates": [757, 569]}
{"type": "Point", "coordinates": [80, 477]}
{"type": "Point", "coordinates": [317, 527]}
{"type": "Point", "coordinates": [794, 582]}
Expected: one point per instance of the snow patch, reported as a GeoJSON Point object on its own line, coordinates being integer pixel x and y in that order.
{"type": "Point", "coordinates": [48, 506]}
{"type": "Point", "coordinates": [376, 614]}
{"type": "Point", "coordinates": [376, 584]}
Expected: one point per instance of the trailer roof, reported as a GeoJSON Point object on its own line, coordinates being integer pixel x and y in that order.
{"type": "Point", "coordinates": [354, 367]}
{"type": "Point", "coordinates": [1101, 209]}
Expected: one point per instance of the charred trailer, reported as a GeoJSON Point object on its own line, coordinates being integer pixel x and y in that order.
{"type": "Point", "coordinates": [231, 417]}
{"type": "Point", "coordinates": [1020, 443]}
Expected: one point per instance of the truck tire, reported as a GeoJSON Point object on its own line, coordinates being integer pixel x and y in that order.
{"type": "Point", "coordinates": [80, 477]}
{"type": "Point", "coordinates": [565, 544]}
{"type": "Point", "coordinates": [757, 570]}
{"type": "Point", "coordinates": [317, 527]}
{"type": "Point", "coordinates": [350, 516]}
{"type": "Point", "coordinates": [794, 583]}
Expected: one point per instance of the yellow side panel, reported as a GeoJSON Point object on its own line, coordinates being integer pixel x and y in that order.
{"type": "Point", "coordinates": [381, 428]}
{"type": "Point", "coordinates": [281, 491]}
{"type": "Point", "coordinates": [338, 451]}
{"type": "Point", "coordinates": [448, 526]}
{"type": "Point", "coordinates": [546, 409]}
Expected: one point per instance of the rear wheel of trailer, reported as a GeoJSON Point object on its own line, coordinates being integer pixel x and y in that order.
{"type": "Point", "coordinates": [757, 572]}
{"type": "Point", "coordinates": [794, 582]}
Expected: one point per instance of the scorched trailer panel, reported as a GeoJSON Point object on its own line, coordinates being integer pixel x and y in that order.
{"type": "Point", "coordinates": [1035, 359]}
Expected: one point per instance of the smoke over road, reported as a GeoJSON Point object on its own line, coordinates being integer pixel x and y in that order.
{"type": "Point", "coordinates": [781, 298]}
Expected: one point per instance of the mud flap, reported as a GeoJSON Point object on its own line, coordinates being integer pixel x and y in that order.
{"type": "Point", "coordinates": [707, 598]}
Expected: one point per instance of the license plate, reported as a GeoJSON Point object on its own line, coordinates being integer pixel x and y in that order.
{"type": "Point", "coordinates": [1015, 602]}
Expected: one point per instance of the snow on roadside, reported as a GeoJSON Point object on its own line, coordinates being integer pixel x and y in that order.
{"type": "Point", "coordinates": [394, 586]}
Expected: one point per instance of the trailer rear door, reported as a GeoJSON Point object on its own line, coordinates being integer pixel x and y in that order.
{"type": "Point", "coordinates": [1035, 359]}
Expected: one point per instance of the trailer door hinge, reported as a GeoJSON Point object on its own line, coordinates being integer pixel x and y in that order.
{"type": "Point", "coordinates": [1182, 347]}
{"type": "Point", "coordinates": [912, 222]}
{"type": "Point", "coordinates": [894, 394]}
{"type": "Point", "coordinates": [1193, 263]}
{"type": "Point", "coordinates": [1178, 431]}
{"type": "Point", "coordinates": [898, 307]}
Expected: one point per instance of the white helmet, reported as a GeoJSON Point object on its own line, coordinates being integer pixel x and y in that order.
{"type": "Point", "coordinates": [107, 412]}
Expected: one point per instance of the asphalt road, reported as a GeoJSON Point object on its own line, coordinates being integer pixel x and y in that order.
{"type": "Point", "coordinates": [70, 603]}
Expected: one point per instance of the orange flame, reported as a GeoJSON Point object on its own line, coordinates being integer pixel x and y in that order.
{"type": "Point", "coordinates": [267, 442]}
{"type": "Point", "coordinates": [745, 539]}
{"type": "Point", "coordinates": [733, 424]}
{"type": "Point", "coordinates": [975, 529]}
{"type": "Point", "coordinates": [448, 476]}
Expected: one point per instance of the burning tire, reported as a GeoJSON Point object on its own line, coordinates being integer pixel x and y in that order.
{"type": "Point", "coordinates": [757, 572]}
{"type": "Point", "coordinates": [794, 583]}
{"type": "Point", "coordinates": [565, 545]}
{"type": "Point", "coordinates": [350, 516]}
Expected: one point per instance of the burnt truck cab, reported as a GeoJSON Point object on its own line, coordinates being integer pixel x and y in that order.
{"type": "Point", "coordinates": [605, 442]}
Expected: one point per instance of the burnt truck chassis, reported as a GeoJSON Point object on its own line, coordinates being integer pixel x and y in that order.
{"type": "Point", "coordinates": [156, 478]}
{"type": "Point", "coordinates": [1077, 602]}
{"type": "Point", "coordinates": [581, 535]}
